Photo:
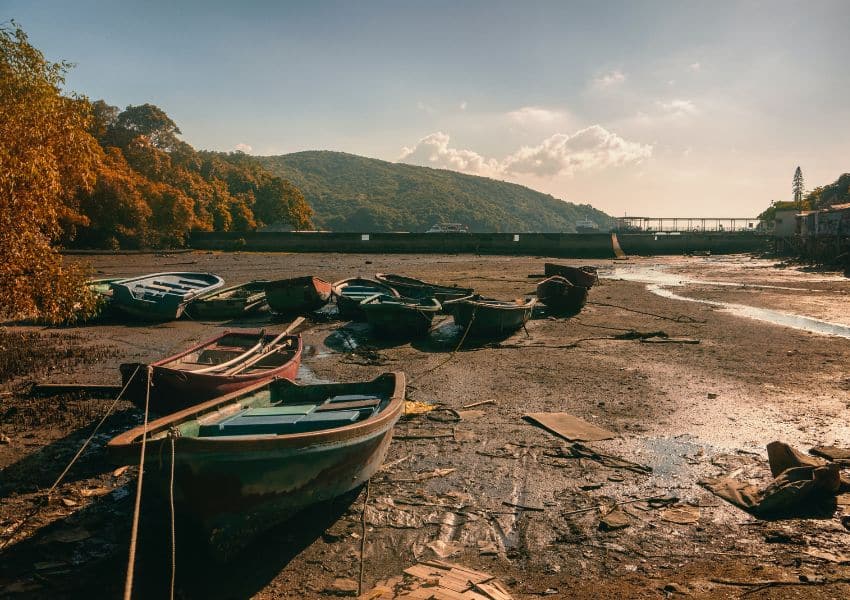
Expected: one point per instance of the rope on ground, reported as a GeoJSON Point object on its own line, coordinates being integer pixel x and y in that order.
{"type": "Point", "coordinates": [455, 351]}
{"type": "Point", "coordinates": [363, 538]}
{"type": "Point", "coordinates": [172, 437]}
{"type": "Point", "coordinates": [678, 319]}
{"type": "Point", "coordinates": [134, 531]}
{"type": "Point", "coordinates": [79, 453]}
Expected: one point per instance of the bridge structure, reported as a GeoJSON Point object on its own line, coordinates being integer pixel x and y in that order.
{"type": "Point", "coordinates": [687, 224]}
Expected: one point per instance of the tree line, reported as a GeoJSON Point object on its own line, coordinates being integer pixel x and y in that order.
{"type": "Point", "coordinates": [83, 173]}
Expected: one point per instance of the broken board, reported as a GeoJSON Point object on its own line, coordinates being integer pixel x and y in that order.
{"type": "Point", "coordinates": [438, 580]}
{"type": "Point", "coordinates": [570, 427]}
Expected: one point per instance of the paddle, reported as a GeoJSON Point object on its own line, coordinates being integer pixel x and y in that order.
{"type": "Point", "coordinates": [267, 349]}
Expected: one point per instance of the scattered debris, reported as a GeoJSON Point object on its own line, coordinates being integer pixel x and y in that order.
{"type": "Point", "coordinates": [413, 407]}
{"type": "Point", "coordinates": [682, 515]}
{"type": "Point", "coordinates": [474, 404]}
{"type": "Point", "coordinates": [524, 506]}
{"type": "Point", "coordinates": [440, 580]}
{"type": "Point", "coordinates": [578, 450]}
{"type": "Point", "coordinates": [570, 427]}
{"type": "Point", "coordinates": [799, 481]}
{"type": "Point", "coordinates": [831, 452]}
{"type": "Point", "coordinates": [5, 439]}
{"type": "Point", "coordinates": [342, 587]}
{"type": "Point", "coordinates": [444, 549]}
{"type": "Point", "coordinates": [614, 520]}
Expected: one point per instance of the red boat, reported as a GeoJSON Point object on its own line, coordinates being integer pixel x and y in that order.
{"type": "Point", "coordinates": [583, 276]}
{"type": "Point", "coordinates": [221, 365]}
{"type": "Point", "coordinates": [558, 294]}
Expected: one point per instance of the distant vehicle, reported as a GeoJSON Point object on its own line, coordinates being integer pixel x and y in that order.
{"type": "Point", "coordinates": [586, 226]}
{"type": "Point", "coordinates": [448, 228]}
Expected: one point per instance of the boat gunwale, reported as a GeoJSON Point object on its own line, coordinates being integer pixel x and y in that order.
{"type": "Point", "coordinates": [161, 363]}
{"type": "Point", "coordinates": [337, 285]}
{"type": "Point", "coordinates": [373, 301]}
{"type": "Point", "coordinates": [528, 303]}
{"type": "Point", "coordinates": [418, 283]}
{"type": "Point", "coordinates": [246, 375]}
{"type": "Point", "coordinates": [213, 294]}
{"type": "Point", "coordinates": [216, 282]}
{"type": "Point", "coordinates": [296, 281]}
{"type": "Point", "coordinates": [130, 441]}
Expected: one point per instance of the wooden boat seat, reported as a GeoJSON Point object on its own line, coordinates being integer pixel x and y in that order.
{"type": "Point", "coordinates": [294, 418]}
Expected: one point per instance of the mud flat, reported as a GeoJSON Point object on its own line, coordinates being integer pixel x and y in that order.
{"type": "Point", "coordinates": [494, 492]}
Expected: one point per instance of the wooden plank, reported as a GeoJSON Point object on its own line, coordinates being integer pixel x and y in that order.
{"type": "Point", "coordinates": [570, 427]}
{"type": "Point", "coordinates": [44, 390]}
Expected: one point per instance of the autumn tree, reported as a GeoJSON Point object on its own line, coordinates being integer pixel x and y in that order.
{"type": "Point", "coordinates": [46, 156]}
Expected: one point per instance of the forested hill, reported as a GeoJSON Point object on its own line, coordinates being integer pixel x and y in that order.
{"type": "Point", "coordinates": [354, 193]}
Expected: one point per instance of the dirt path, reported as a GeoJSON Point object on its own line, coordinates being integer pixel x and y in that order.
{"type": "Point", "coordinates": [685, 410]}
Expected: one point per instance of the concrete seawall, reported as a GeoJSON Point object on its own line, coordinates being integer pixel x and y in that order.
{"type": "Point", "coordinates": [597, 245]}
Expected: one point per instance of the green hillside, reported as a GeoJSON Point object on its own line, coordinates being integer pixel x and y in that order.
{"type": "Point", "coordinates": [354, 193]}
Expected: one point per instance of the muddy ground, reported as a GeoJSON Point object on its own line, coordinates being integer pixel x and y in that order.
{"type": "Point", "coordinates": [504, 499]}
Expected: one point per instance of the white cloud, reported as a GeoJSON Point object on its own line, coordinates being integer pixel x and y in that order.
{"type": "Point", "coordinates": [609, 79]}
{"type": "Point", "coordinates": [536, 115]}
{"type": "Point", "coordinates": [679, 108]}
{"type": "Point", "coordinates": [426, 108]}
{"type": "Point", "coordinates": [242, 147]}
{"type": "Point", "coordinates": [694, 67]}
{"type": "Point", "coordinates": [561, 154]}
{"type": "Point", "coordinates": [463, 105]}
{"type": "Point", "coordinates": [434, 151]}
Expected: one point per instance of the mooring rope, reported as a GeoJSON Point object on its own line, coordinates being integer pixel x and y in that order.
{"type": "Point", "coordinates": [362, 538]}
{"type": "Point", "coordinates": [455, 351]}
{"type": "Point", "coordinates": [172, 437]}
{"type": "Point", "coordinates": [134, 531]}
{"type": "Point", "coordinates": [79, 453]}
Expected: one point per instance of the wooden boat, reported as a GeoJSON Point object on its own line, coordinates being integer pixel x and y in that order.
{"type": "Point", "coordinates": [391, 316]}
{"type": "Point", "coordinates": [487, 317]}
{"type": "Point", "coordinates": [250, 460]}
{"type": "Point", "coordinates": [296, 295]}
{"type": "Point", "coordinates": [416, 288]}
{"type": "Point", "coordinates": [230, 303]}
{"type": "Point", "coordinates": [558, 294]}
{"type": "Point", "coordinates": [161, 296]}
{"type": "Point", "coordinates": [351, 292]}
{"type": "Point", "coordinates": [226, 363]}
{"type": "Point", "coordinates": [584, 276]}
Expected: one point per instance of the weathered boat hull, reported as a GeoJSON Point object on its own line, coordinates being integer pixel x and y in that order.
{"type": "Point", "coordinates": [147, 298]}
{"type": "Point", "coordinates": [480, 319]}
{"type": "Point", "coordinates": [173, 389]}
{"type": "Point", "coordinates": [583, 276]}
{"type": "Point", "coordinates": [400, 320]}
{"type": "Point", "coordinates": [559, 295]}
{"type": "Point", "coordinates": [299, 294]}
{"type": "Point", "coordinates": [233, 489]}
{"type": "Point", "coordinates": [230, 303]}
{"type": "Point", "coordinates": [349, 304]}
{"type": "Point", "coordinates": [415, 288]}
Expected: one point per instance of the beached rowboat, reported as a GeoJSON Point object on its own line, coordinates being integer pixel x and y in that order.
{"type": "Point", "coordinates": [298, 294]}
{"type": "Point", "coordinates": [351, 292]}
{"type": "Point", "coordinates": [416, 288]}
{"type": "Point", "coordinates": [391, 316]}
{"type": "Point", "coordinates": [584, 276]}
{"type": "Point", "coordinates": [252, 459]}
{"type": "Point", "coordinates": [230, 303]}
{"type": "Point", "coordinates": [226, 363]}
{"type": "Point", "coordinates": [558, 294]}
{"type": "Point", "coordinates": [487, 317]}
{"type": "Point", "coordinates": [161, 296]}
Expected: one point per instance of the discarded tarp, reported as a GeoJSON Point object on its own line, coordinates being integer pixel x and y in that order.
{"type": "Point", "coordinates": [800, 483]}
{"type": "Point", "coordinates": [570, 427]}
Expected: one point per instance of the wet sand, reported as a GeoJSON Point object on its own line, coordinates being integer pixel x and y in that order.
{"type": "Point", "coordinates": [685, 410]}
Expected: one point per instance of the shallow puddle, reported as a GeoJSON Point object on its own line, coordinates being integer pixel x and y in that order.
{"type": "Point", "coordinates": [659, 283]}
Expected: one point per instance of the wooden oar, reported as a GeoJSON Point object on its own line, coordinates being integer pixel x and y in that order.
{"type": "Point", "coordinates": [235, 359]}
{"type": "Point", "coordinates": [268, 349]}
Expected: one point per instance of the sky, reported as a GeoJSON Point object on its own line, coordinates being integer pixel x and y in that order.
{"type": "Point", "coordinates": [640, 107]}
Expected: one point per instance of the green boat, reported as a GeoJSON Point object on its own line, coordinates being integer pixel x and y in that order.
{"type": "Point", "coordinates": [161, 296]}
{"type": "Point", "coordinates": [416, 288]}
{"type": "Point", "coordinates": [349, 293]}
{"type": "Point", "coordinates": [485, 317]}
{"type": "Point", "coordinates": [230, 303]}
{"type": "Point", "coordinates": [250, 460]}
{"type": "Point", "coordinates": [394, 317]}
